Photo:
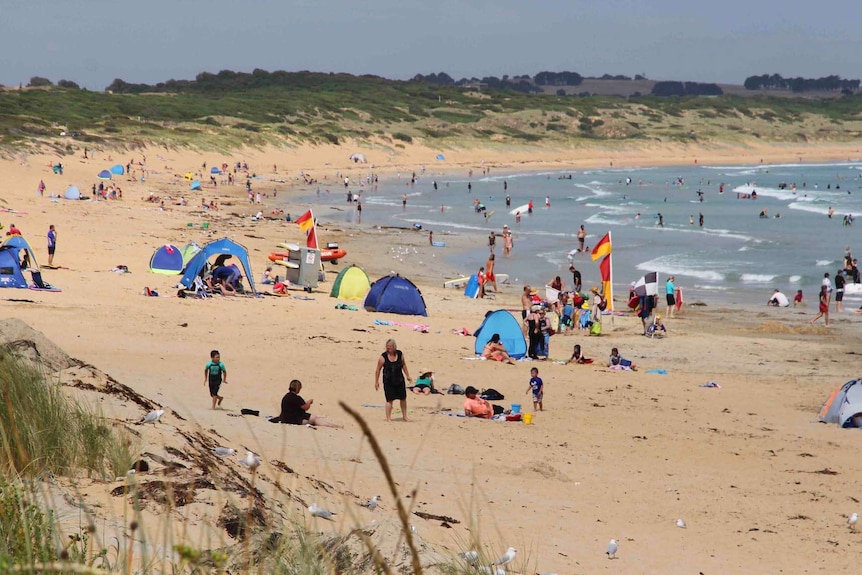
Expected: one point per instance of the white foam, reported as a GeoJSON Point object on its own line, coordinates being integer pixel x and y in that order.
{"type": "Point", "coordinates": [599, 219]}
{"type": "Point", "coordinates": [824, 263]}
{"type": "Point", "coordinates": [795, 279]}
{"type": "Point", "coordinates": [808, 208]}
{"type": "Point", "coordinates": [785, 195]}
{"type": "Point", "coordinates": [756, 278]}
{"type": "Point", "coordinates": [667, 266]}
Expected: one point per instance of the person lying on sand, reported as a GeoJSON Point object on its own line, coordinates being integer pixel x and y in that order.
{"type": "Point", "coordinates": [425, 384]}
{"type": "Point", "coordinates": [496, 350]}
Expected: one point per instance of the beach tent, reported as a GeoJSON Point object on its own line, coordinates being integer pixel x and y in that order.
{"type": "Point", "coordinates": [472, 287]}
{"type": "Point", "coordinates": [196, 185]}
{"type": "Point", "coordinates": [214, 170]}
{"type": "Point", "coordinates": [358, 158]}
{"type": "Point", "coordinates": [505, 324]}
{"type": "Point", "coordinates": [220, 247]}
{"type": "Point", "coordinates": [441, 157]}
{"type": "Point", "coordinates": [351, 283]}
{"type": "Point", "coordinates": [395, 294]}
{"type": "Point", "coordinates": [11, 273]}
{"type": "Point", "coordinates": [189, 250]}
{"type": "Point", "coordinates": [104, 175]}
{"type": "Point", "coordinates": [118, 170]}
{"type": "Point", "coordinates": [843, 404]}
{"type": "Point", "coordinates": [189, 176]}
{"type": "Point", "coordinates": [168, 260]}
{"type": "Point", "coordinates": [72, 193]}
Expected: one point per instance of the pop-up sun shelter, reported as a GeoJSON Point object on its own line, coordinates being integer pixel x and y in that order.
{"type": "Point", "coordinates": [395, 294]}
{"type": "Point", "coordinates": [220, 247]}
{"type": "Point", "coordinates": [11, 274]}
{"type": "Point", "coordinates": [505, 324]}
{"type": "Point", "coordinates": [118, 170]}
{"type": "Point", "coordinates": [351, 283]}
{"type": "Point", "coordinates": [167, 260]}
{"type": "Point", "coordinates": [843, 404]}
{"type": "Point", "coordinates": [72, 193]}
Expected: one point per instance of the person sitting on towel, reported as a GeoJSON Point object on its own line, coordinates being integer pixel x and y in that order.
{"type": "Point", "coordinates": [615, 359]}
{"type": "Point", "coordinates": [425, 384]}
{"type": "Point", "coordinates": [294, 409]}
{"type": "Point", "coordinates": [475, 406]}
{"type": "Point", "coordinates": [495, 350]}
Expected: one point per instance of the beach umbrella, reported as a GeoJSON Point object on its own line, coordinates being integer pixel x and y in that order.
{"type": "Point", "coordinates": [196, 185]}
{"type": "Point", "coordinates": [214, 170]}
{"type": "Point", "coordinates": [647, 285]}
{"type": "Point", "coordinates": [441, 157]}
{"type": "Point", "coordinates": [104, 175]}
{"type": "Point", "coordinates": [118, 170]}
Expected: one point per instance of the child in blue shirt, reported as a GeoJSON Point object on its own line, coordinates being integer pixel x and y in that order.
{"type": "Point", "coordinates": [538, 389]}
{"type": "Point", "coordinates": [214, 375]}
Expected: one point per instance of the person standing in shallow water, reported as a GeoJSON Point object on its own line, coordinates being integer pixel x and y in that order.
{"type": "Point", "coordinates": [394, 369]}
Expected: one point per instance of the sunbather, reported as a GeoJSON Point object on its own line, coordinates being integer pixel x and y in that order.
{"type": "Point", "coordinates": [495, 350]}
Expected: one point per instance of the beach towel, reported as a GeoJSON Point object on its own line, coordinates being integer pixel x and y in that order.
{"type": "Point", "coordinates": [657, 371]}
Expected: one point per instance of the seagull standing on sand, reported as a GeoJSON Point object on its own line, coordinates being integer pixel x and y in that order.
{"type": "Point", "coordinates": [152, 417]}
{"type": "Point", "coordinates": [612, 549]}
{"type": "Point", "coordinates": [320, 512]}
{"type": "Point", "coordinates": [680, 523]}
{"type": "Point", "coordinates": [471, 557]}
{"type": "Point", "coordinates": [224, 451]}
{"type": "Point", "coordinates": [506, 558]}
{"type": "Point", "coordinates": [251, 461]}
{"type": "Point", "coordinates": [854, 518]}
{"type": "Point", "coordinates": [371, 503]}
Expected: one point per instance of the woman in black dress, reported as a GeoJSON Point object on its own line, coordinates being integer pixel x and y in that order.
{"type": "Point", "coordinates": [394, 369]}
{"type": "Point", "coordinates": [294, 409]}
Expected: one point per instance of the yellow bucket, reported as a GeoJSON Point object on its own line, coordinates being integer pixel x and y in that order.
{"type": "Point", "coordinates": [528, 418]}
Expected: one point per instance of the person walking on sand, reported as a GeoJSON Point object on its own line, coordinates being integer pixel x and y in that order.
{"type": "Point", "coordinates": [537, 386]}
{"type": "Point", "coordinates": [839, 291]}
{"type": "Point", "coordinates": [670, 295]}
{"type": "Point", "coordinates": [52, 244]}
{"type": "Point", "coordinates": [823, 310]}
{"type": "Point", "coordinates": [215, 375]}
{"type": "Point", "coordinates": [394, 369]}
{"type": "Point", "coordinates": [490, 278]}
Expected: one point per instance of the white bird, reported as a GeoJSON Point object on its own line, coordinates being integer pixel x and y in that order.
{"type": "Point", "coordinates": [251, 461]}
{"type": "Point", "coordinates": [612, 549]}
{"type": "Point", "coordinates": [224, 451]}
{"type": "Point", "coordinates": [506, 558]}
{"type": "Point", "coordinates": [319, 512]}
{"type": "Point", "coordinates": [680, 523]}
{"type": "Point", "coordinates": [485, 570]}
{"type": "Point", "coordinates": [471, 557]}
{"type": "Point", "coordinates": [371, 503]}
{"type": "Point", "coordinates": [854, 518]}
{"type": "Point", "coordinates": [152, 417]}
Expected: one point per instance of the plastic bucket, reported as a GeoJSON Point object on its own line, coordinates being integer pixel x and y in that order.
{"type": "Point", "coordinates": [516, 408]}
{"type": "Point", "coordinates": [528, 418]}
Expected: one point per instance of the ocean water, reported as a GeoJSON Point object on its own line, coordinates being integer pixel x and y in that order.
{"type": "Point", "coordinates": [736, 256]}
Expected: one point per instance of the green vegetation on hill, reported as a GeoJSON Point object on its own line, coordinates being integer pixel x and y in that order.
{"type": "Point", "coordinates": [227, 109]}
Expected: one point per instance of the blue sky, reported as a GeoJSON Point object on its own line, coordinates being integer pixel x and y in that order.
{"type": "Point", "coordinates": [94, 41]}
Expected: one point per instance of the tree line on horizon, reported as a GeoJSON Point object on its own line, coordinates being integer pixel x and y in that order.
{"type": "Point", "coordinates": [228, 81]}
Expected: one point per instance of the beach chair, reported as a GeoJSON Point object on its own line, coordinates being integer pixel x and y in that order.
{"type": "Point", "coordinates": [200, 288]}
{"type": "Point", "coordinates": [656, 328]}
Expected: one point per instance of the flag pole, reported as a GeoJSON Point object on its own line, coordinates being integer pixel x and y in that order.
{"type": "Point", "coordinates": [611, 262]}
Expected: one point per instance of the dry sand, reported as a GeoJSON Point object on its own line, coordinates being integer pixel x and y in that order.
{"type": "Point", "coordinates": [762, 486]}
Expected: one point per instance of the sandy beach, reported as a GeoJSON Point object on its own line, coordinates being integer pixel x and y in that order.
{"type": "Point", "coordinates": [761, 485]}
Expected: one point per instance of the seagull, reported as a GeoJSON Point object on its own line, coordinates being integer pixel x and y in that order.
{"type": "Point", "coordinates": [224, 451]}
{"type": "Point", "coordinates": [680, 523]}
{"type": "Point", "coordinates": [251, 461]}
{"type": "Point", "coordinates": [854, 517]}
{"type": "Point", "coordinates": [471, 557]}
{"type": "Point", "coordinates": [612, 549]}
{"type": "Point", "coordinates": [506, 558]}
{"type": "Point", "coordinates": [485, 570]}
{"type": "Point", "coordinates": [152, 417]}
{"type": "Point", "coordinates": [371, 503]}
{"type": "Point", "coordinates": [320, 512]}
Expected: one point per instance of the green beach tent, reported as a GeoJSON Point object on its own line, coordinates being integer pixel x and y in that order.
{"type": "Point", "coordinates": [351, 283]}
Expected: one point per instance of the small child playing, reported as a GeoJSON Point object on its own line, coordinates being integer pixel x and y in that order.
{"type": "Point", "coordinates": [578, 356]}
{"type": "Point", "coordinates": [537, 386]}
{"type": "Point", "coordinates": [616, 360]}
{"type": "Point", "coordinates": [214, 375]}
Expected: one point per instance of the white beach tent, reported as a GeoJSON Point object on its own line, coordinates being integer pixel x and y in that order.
{"type": "Point", "coordinates": [843, 405]}
{"type": "Point", "coordinates": [358, 158]}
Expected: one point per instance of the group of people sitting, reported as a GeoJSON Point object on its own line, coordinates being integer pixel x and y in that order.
{"type": "Point", "coordinates": [223, 279]}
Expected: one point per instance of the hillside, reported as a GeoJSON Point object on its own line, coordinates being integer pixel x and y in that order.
{"type": "Point", "coordinates": [334, 108]}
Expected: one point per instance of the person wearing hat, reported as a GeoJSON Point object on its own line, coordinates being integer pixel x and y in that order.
{"type": "Point", "coordinates": [596, 312]}
{"type": "Point", "coordinates": [508, 241]}
{"type": "Point", "coordinates": [475, 406]}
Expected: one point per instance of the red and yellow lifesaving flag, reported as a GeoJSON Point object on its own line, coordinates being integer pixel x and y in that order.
{"type": "Point", "coordinates": [603, 248]}
{"type": "Point", "coordinates": [305, 221]}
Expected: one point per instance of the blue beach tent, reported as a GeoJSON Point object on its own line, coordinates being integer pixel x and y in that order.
{"type": "Point", "coordinates": [196, 185]}
{"type": "Point", "coordinates": [104, 175]}
{"type": "Point", "coordinates": [168, 260]}
{"type": "Point", "coordinates": [214, 170]}
{"type": "Point", "coordinates": [118, 170]}
{"type": "Point", "coordinates": [508, 327]}
{"type": "Point", "coordinates": [441, 157]}
{"type": "Point", "coordinates": [223, 246]}
{"type": "Point", "coordinates": [395, 294]}
{"type": "Point", "coordinates": [11, 274]}
{"type": "Point", "coordinates": [72, 193]}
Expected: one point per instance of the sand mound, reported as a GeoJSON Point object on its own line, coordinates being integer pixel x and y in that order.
{"type": "Point", "coordinates": [32, 346]}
